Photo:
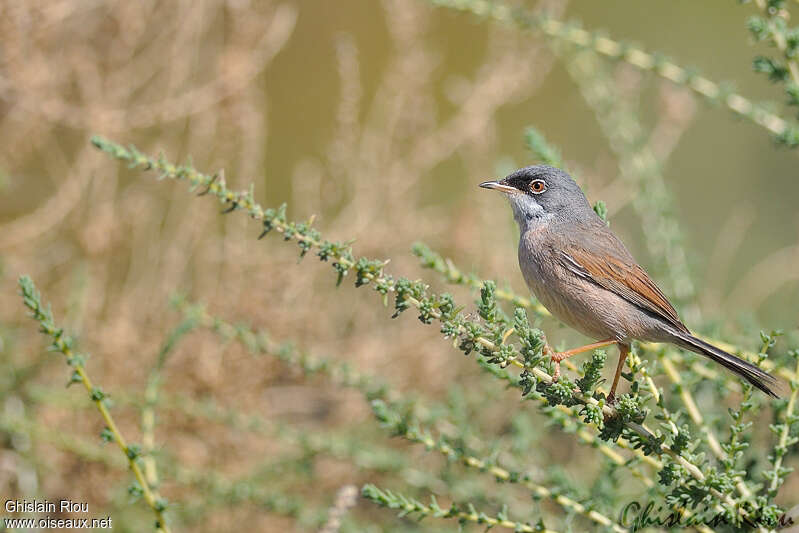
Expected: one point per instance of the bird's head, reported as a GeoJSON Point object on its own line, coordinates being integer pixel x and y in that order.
{"type": "Point", "coordinates": [541, 193]}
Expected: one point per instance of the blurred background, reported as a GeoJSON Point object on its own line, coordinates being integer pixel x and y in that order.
{"type": "Point", "coordinates": [379, 118]}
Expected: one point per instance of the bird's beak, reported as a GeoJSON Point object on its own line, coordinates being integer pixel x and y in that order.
{"type": "Point", "coordinates": [499, 186]}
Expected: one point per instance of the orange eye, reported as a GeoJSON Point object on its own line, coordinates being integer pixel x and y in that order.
{"type": "Point", "coordinates": [538, 186]}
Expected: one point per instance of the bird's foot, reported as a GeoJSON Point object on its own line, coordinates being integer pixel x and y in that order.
{"type": "Point", "coordinates": [556, 358]}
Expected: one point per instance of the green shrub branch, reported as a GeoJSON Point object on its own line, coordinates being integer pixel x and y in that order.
{"type": "Point", "coordinates": [771, 26]}
{"type": "Point", "coordinates": [63, 344]}
{"type": "Point", "coordinates": [786, 132]}
{"type": "Point", "coordinates": [465, 513]}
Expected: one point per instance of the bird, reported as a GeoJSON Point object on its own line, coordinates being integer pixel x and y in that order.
{"type": "Point", "coordinates": [585, 277]}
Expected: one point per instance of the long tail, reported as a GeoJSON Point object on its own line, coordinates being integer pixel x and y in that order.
{"type": "Point", "coordinates": [754, 375]}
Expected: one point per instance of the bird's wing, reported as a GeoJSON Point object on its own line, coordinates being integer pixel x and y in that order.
{"type": "Point", "coordinates": [606, 262]}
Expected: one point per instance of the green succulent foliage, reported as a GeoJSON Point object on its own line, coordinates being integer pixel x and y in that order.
{"type": "Point", "coordinates": [771, 28]}
{"type": "Point", "coordinates": [65, 345]}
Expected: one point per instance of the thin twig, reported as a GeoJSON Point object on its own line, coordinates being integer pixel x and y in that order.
{"type": "Point", "coordinates": [63, 344]}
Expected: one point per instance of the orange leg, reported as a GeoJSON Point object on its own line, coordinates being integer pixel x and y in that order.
{"type": "Point", "coordinates": [557, 357]}
{"type": "Point", "coordinates": [624, 351]}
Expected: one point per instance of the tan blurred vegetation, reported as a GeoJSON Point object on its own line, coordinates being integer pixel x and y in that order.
{"type": "Point", "coordinates": [378, 118]}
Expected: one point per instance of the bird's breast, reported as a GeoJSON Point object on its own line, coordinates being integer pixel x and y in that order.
{"type": "Point", "coordinates": [572, 300]}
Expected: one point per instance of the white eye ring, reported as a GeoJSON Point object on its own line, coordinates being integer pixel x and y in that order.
{"type": "Point", "coordinates": [538, 186]}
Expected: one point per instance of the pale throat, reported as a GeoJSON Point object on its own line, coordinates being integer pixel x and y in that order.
{"type": "Point", "coordinates": [528, 213]}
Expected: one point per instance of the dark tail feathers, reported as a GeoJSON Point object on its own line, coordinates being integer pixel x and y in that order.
{"type": "Point", "coordinates": [754, 375]}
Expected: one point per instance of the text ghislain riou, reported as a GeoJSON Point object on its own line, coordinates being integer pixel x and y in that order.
{"type": "Point", "coordinates": [46, 506]}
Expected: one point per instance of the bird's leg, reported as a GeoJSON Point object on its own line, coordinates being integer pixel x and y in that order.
{"type": "Point", "coordinates": [624, 351]}
{"type": "Point", "coordinates": [557, 357]}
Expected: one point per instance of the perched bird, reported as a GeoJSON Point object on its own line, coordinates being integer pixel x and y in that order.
{"type": "Point", "coordinates": [582, 273]}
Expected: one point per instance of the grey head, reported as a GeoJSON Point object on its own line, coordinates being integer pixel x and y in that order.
{"type": "Point", "coordinates": [541, 194]}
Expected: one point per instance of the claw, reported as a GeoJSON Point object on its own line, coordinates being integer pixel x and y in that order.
{"type": "Point", "coordinates": [556, 359]}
